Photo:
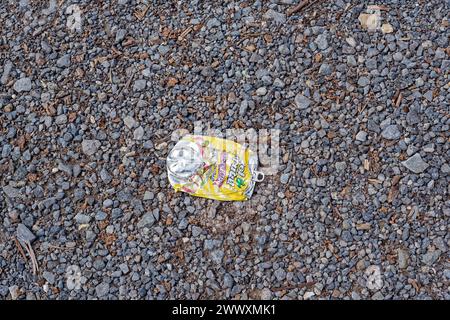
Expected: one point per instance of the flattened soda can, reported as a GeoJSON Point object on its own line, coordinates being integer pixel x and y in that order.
{"type": "Point", "coordinates": [213, 168]}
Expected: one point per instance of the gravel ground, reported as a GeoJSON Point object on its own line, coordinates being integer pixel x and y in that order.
{"type": "Point", "coordinates": [360, 206]}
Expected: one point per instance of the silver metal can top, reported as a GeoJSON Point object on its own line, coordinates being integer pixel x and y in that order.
{"type": "Point", "coordinates": [183, 161]}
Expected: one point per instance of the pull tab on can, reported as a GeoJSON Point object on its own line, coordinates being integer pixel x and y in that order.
{"type": "Point", "coordinates": [258, 176]}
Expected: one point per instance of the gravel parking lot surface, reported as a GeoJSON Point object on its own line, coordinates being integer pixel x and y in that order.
{"type": "Point", "coordinates": [91, 92]}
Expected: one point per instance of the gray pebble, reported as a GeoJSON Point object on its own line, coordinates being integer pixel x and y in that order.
{"type": "Point", "coordinates": [284, 178]}
{"type": "Point", "coordinates": [321, 41]}
{"type": "Point", "coordinates": [391, 132]}
{"type": "Point", "coordinates": [196, 231]}
{"type": "Point", "coordinates": [363, 81]}
{"type": "Point", "coordinates": [50, 277]}
{"type": "Point", "coordinates": [120, 35]}
{"type": "Point", "coordinates": [148, 195]}
{"type": "Point", "coordinates": [64, 61]}
{"type": "Point", "coordinates": [11, 192]}
{"type": "Point", "coordinates": [23, 84]}
{"type": "Point", "coordinates": [129, 122]}
{"type": "Point", "coordinates": [90, 147]}
{"type": "Point", "coordinates": [415, 163]}
{"type": "Point", "coordinates": [139, 85]}
{"type": "Point", "coordinates": [402, 259]}
{"type": "Point", "coordinates": [24, 234]}
{"type": "Point", "coordinates": [325, 69]}
{"type": "Point", "coordinates": [81, 218]}
{"type": "Point", "coordinates": [138, 133]}
{"type": "Point", "coordinates": [102, 290]}
{"type": "Point", "coordinates": [275, 16]}
{"type": "Point", "coordinates": [361, 136]}
{"type": "Point", "coordinates": [302, 102]}
{"type": "Point", "coordinates": [146, 221]}
{"type": "Point", "coordinates": [431, 257]}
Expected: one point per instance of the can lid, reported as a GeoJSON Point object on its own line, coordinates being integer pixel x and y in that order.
{"type": "Point", "coordinates": [183, 161]}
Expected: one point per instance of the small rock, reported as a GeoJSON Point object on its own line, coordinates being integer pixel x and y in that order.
{"type": "Point", "coordinates": [81, 218]}
{"type": "Point", "coordinates": [445, 168]}
{"type": "Point", "coordinates": [301, 101]}
{"type": "Point", "coordinates": [99, 264]}
{"type": "Point", "coordinates": [361, 136]}
{"type": "Point", "coordinates": [351, 61]}
{"type": "Point", "coordinates": [139, 85]}
{"type": "Point", "coordinates": [24, 234]}
{"type": "Point", "coordinates": [280, 274]}
{"type": "Point", "coordinates": [278, 83]}
{"type": "Point", "coordinates": [402, 258]}
{"type": "Point", "coordinates": [429, 148]}
{"type": "Point", "coordinates": [11, 192]}
{"type": "Point", "coordinates": [163, 50]}
{"type": "Point", "coordinates": [360, 265]}
{"type": "Point", "coordinates": [90, 147]}
{"type": "Point", "coordinates": [61, 119]}
{"type": "Point", "coordinates": [129, 122]}
{"type": "Point", "coordinates": [371, 64]}
{"type": "Point", "coordinates": [102, 96]}
{"type": "Point", "coordinates": [412, 117]}
{"type": "Point", "coordinates": [65, 168]}
{"type": "Point", "coordinates": [431, 257]}
{"type": "Point", "coordinates": [378, 296]}
{"type": "Point", "coordinates": [107, 203]}
{"type": "Point", "coordinates": [138, 133]}
{"type": "Point", "coordinates": [415, 164]}
{"type": "Point", "coordinates": [243, 108]}
{"type": "Point", "coordinates": [398, 56]}
{"type": "Point", "coordinates": [120, 35]}
{"type": "Point", "coordinates": [196, 231]}
{"type": "Point", "coordinates": [284, 178]}
{"type": "Point", "coordinates": [275, 16]}
{"type": "Point", "coordinates": [207, 71]}
{"type": "Point", "coordinates": [419, 82]}
{"type": "Point", "coordinates": [50, 277]}
{"type": "Point", "coordinates": [363, 81]}
{"type": "Point", "coordinates": [100, 216]}
{"type": "Point", "coordinates": [183, 224]}
{"type": "Point", "coordinates": [146, 221]}
{"type": "Point", "coordinates": [64, 61]}
{"type": "Point", "coordinates": [102, 289]}
{"type": "Point", "coordinates": [325, 69]}
{"type": "Point", "coordinates": [23, 84]}
{"type": "Point", "coordinates": [212, 23]}
{"type": "Point", "coordinates": [340, 166]}
{"type": "Point", "coordinates": [6, 71]}
{"type": "Point", "coordinates": [321, 182]}
{"type": "Point", "coordinates": [3, 291]}
{"type": "Point", "coordinates": [261, 91]}
{"type": "Point", "coordinates": [217, 256]}
{"type": "Point", "coordinates": [228, 281]}
{"type": "Point", "coordinates": [391, 132]}
{"type": "Point", "coordinates": [105, 176]}
{"type": "Point", "coordinates": [124, 268]}
{"type": "Point", "coordinates": [429, 95]}
{"type": "Point", "coordinates": [369, 21]}
{"type": "Point", "coordinates": [148, 195]}
{"type": "Point", "coordinates": [321, 42]}
{"type": "Point", "coordinates": [351, 41]}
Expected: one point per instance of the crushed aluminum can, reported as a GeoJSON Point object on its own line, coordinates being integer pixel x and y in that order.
{"type": "Point", "coordinates": [213, 168]}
